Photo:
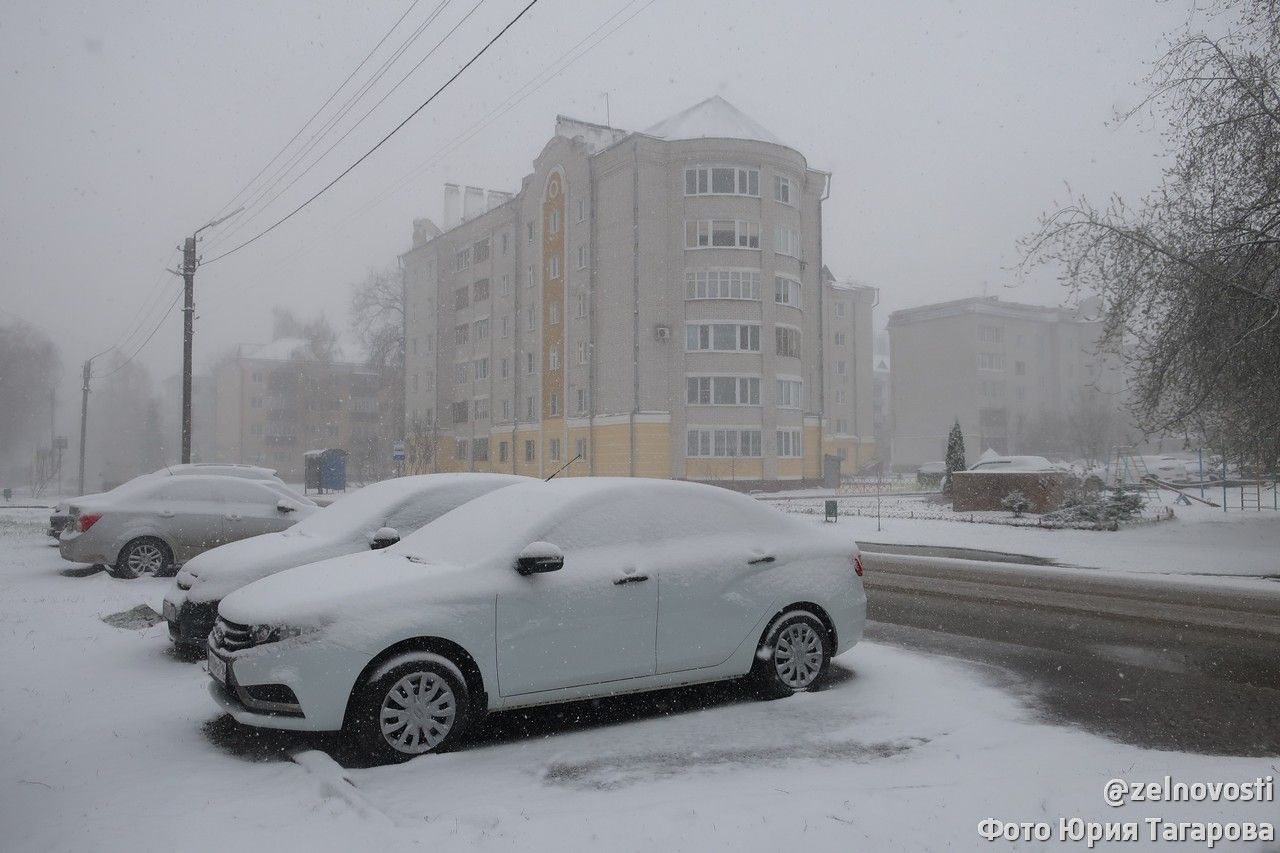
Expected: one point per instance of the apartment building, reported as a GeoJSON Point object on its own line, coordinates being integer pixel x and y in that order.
{"type": "Point", "coordinates": [993, 364]}
{"type": "Point", "coordinates": [848, 371]}
{"type": "Point", "coordinates": [647, 304]}
{"type": "Point", "coordinates": [276, 401]}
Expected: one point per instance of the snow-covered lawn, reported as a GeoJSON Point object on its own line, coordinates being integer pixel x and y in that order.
{"type": "Point", "coordinates": [1198, 540]}
{"type": "Point", "coordinates": [108, 742]}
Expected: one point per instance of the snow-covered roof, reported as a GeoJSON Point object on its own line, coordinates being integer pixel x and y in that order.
{"type": "Point", "coordinates": [714, 118]}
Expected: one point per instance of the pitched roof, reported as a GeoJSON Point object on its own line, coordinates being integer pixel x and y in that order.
{"type": "Point", "coordinates": [714, 118]}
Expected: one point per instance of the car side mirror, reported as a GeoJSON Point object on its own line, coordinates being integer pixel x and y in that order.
{"type": "Point", "coordinates": [539, 557]}
{"type": "Point", "coordinates": [285, 506]}
{"type": "Point", "coordinates": [384, 538]}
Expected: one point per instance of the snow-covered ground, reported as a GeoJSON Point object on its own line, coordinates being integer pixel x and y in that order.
{"type": "Point", "coordinates": [108, 742]}
{"type": "Point", "coordinates": [1198, 540]}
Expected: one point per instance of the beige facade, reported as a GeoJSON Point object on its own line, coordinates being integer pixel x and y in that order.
{"type": "Point", "coordinates": [274, 402]}
{"type": "Point", "coordinates": [848, 371]}
{"type": "Point", "coordinates": [994, 365]}
{"type": "Point", "coordinates": [650, 302]}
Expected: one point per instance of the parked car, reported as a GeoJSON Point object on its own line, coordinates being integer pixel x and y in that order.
{"type": "Point", "coordinates": [61, 515]}
{"type": "Point", "coordinates": [931, 473]}
{"type": "Point", "coordinates": [152, 524]}
{"type": "Point", "coordinates": [534, 594]}
{"type": "Point", "coordinates": [1017, 463]}
{"type": "Point", "coordinates": [374, 517]}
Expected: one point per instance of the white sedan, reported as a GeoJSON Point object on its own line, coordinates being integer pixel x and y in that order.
{"type": "Point", "coordinates": [534, 594]}
{"type": "Point", "coordinates": [151, 524]}
{"type": "Point", "coordinates": [376, 516]}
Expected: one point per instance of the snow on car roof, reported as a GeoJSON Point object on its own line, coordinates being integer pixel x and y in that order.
{"type": "Point", "coordinates": [1015, 463]}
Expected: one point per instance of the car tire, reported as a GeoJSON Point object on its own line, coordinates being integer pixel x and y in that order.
{"type": "Point", "coordinates": [793, 657]}
{"type": "Point", "coordinates": [145, 555]}
{"type": "Point", "coordinates": [389, 726]}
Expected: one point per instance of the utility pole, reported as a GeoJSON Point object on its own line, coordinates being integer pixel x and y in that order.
{"type": "Point", "coordinates": [84, 420]}
{"type": "Point", "coordinates": [189, 264]}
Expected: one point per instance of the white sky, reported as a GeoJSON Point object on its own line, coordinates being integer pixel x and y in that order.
{"type": "Point", "coordinates": [948, 126]}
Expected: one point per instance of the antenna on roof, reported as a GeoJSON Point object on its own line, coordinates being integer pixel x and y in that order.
{"type": "Point", "coordinates": [562, 467]}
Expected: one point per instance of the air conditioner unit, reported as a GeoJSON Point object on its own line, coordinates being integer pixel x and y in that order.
{"type": "Point", "coordinates": [662, 333]}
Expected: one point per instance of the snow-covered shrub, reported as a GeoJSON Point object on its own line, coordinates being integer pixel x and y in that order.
{"type": "Point", "coordinates": [1016, 502]}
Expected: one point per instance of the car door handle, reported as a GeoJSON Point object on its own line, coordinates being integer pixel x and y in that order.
{"type": "Point", "coordinates": [630, 579]}
{"type": "Point", "coordinates": [768, 558]}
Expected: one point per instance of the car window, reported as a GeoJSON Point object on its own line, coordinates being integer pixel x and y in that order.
{"type": "Point", "coordinates": [246, 491]}
{"type": "Point", "coordinates": [613, 520]}
{"type": "Point", "coordinates": [181, 489]}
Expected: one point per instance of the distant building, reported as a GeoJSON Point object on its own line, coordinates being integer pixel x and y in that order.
{"type": "Point", "coordinates": [849, 430]}
{"type": "Point", "coordinates": [276, 401]}
{"type": "Point", "coordinates": [649, 304]}
{"type": "Point", "coordinates": [880, 394]}
{"type": "Point", "coordinates": [997, 366]}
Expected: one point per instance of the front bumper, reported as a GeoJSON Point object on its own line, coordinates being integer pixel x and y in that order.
{"type": "Point", "coordinates": [190, 621]}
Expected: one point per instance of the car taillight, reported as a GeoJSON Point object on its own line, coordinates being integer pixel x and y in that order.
{"type": "Point", "coordinates": [87, 521]}
{"type": "Point", "coordinates": [857, 564]}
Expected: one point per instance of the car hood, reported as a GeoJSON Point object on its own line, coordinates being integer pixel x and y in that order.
{"type": "Point", "coordinates": [354, 588]}
{"type": "Point", "coordinates": [216, 573]}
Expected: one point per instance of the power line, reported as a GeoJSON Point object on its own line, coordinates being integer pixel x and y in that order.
{"type": "Point", "coordinates": [384, 139]}
{"type": "Point", "coordinates": [322, 108]}
{"type": "Point", "coordinates": [134, 355]}
{"type": "Point", "coordinates": [351, 104]}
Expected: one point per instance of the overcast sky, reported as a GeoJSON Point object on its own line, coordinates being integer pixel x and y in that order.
{"type": "Point", "coordinates": [948, 128]}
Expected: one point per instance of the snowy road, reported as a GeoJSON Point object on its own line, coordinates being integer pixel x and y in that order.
{"type": "Point", "coordinates": [107, 741]}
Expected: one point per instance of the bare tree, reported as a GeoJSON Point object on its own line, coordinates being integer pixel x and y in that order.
{"type": "Point", "coordinates": [1190, 277]}
{"type": "Point", "coordinates": [29, 368]}
{"type": "Point", "coordinates": [377, 320]}
{"type": "Point", "coordinates": [319, 333]}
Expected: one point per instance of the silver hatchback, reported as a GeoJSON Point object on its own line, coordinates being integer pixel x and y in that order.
{"type": "Point", "coordinates": [150, 526]}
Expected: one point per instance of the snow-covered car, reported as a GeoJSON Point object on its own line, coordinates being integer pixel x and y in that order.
{"type": "Point", "coordinates": [1017, 463]}
{"type": "Point", "coordinates": [61, 515]}
{"type": "Point", "coordinates": [376, 516]}
{"type": "Point", "coordinates": [151, 524]}
{"type": "Point", "coordinates": [535, 594]}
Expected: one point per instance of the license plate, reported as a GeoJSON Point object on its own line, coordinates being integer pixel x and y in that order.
{"type": "Point", "coordinates": [218, 669]}
{"type": "Point", "coordinates": [169, 612]}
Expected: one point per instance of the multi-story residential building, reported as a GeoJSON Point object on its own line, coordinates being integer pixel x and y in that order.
{"type": "Point", "coordinates": [995, 365]}
{"type": "Point", "coordinates": [648, 304]}
{"type": "Point", "coordinates": [881, 389]}
{"type": "Point", "coordinates": [848, 384]}
{"type": "Point", "coordinates": [276, 401]}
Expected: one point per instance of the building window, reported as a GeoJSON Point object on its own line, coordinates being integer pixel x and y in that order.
{"type": "Point", "coordinates": [462, 259]}
{"type": "Point", "coordinates": [1020, 368]}
{"type": "Point", "coordinates": [990, 361]}
{"type": "Point", "coordinates": [461, 298]}
{"type": "Point", "coordinates": [786, 291]}
{"type": "Point", "coordinates": [553, 271]}
{"type": "Point", "coordinates": [786, 241]}
{"type": "Point", "coordinates": [505, 367]}
{"type": "Point", "coordinates": [553, 314]}
{"type": "Point", "coordinates": [530, 280]}
{"type": "Point", "coordinates": [582, 210]}
{"type": "Point", "coordinates": [839, 310]}
{"type": "Point", "coordinates": [723, 443]}
{"type": "Point", "coordinates": [789, 393]}
{"type": "Point", "coordinates": [782, 189]}
{"type": "Point", "coordinates": [787, 341]}
{"type": "Point", "coordinates": [721, 233]}
{"type": "Point", "coordinates": [530, 451]}
{"type": "Point", "coordinates": [722, 284]}
{"type": "Point", "coordinates": [839, 368]}
{"type": "Point", "coordinates": [553, 361]}
{"type": "Point", "coordinates": [528, 363]}
{"type": "Point", "coordinates": [530, 319]}
{"type": "Point", "coordinates": [530, 229]}
{"type": "Point", "coordinates": [480, 252]}
{"type": "Point", "coordinates": [482, 369]}
{"type": "Point", "coordinates": [505, 287]}
{"type": "Point", "coordinates": [506, 327]}
{"type": "Point", "coordinates": [723, 391]}
{"type": "Point", "coordinates": [506, 412]}
{"type": "Point", "coordinates": [460, 448]}
{"type": "Point", "coordinates": [257, 376]}
{"type": "Point", "coordinates": [459, 411]}
{"type": "Point", "coordinates": [721, 180]}
{"type": "Point", "coordinates": [461, 373]}
{"type": "Point", "coordinates": [505, 240]}
{"type": "Point", "coordinates": [553, 450]}
{"type": "Point", "coordinates": [431, 381]}
{"type": "Point", "coordinates": [555, 221]}
{"type": "Point", "coordinates": [582, 257]}
{"type": "Point", "coordinates": [789, 443]}
{"type": "Point", "coordinates": [430, 344]}
{"type": "Point", "coordinates": [502, 451]}
{"type": "Point", "coordinates": [553, 405]}
{"type": "Point", "coordinates": [481, 328]}
{"type": "Point", "coordinates": [528, 408]}
{"type": "Point", "coordinates": [582, 352]}
{"type": "Point", "coordinates": [480, 290]}
{"type": "Point", "coordinates": [480, 449]}
{"type": "Point", "coordinates": [580, 305]}
{"type": "Point", "coordinates": [580, 448]}
{"type": "Point", "coordinates": [480, 408]}
{"type": "Point", "coordinates": [582, 401]}
{"type": "Point", "coordinates": [839, 339]}
{"type": "Point", "coordinates": [990, 334]}
{"type": "Point", "coordinates": [722, 337]}
{"type": "Point", "coordinates": [842, 426]}
{"type": "Point", "coordinates": [415, 383]}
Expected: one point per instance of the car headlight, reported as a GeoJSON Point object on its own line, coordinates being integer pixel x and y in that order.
{"type": "Point", "coordinates": [261, 634]}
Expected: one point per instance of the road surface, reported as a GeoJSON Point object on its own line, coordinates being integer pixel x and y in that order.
{"type": "Point", "coordinates": [1169, 663]}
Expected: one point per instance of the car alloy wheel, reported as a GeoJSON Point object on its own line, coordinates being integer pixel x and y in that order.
{"type": "Point", "coordinates": [145, 558]}
{"type": "Point", "coordinates": [798, 655]}
{"type": "Point", "coordinates": [417, 713]}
